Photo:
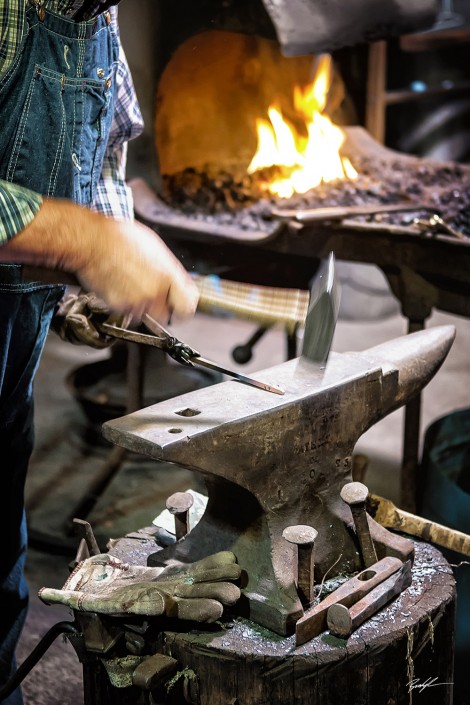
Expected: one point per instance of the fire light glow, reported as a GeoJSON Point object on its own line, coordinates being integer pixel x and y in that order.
{"type": "Point", "coordinates": [311, 158]}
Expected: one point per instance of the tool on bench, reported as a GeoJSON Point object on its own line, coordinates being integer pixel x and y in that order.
{"type": "Point", "coordinates": [318, 215]}
{"type": "Point", "coordinates": [343, 620]}
{"type": "Point", "coordinates": [436, 225]}
{"type": "Point", "coordinates": [388, 515]}
{"type": "Point", "coordinates": [314, 620]}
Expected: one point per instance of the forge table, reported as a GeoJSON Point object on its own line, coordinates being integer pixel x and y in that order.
{"type": "Point", "coordinates": [423, 272]}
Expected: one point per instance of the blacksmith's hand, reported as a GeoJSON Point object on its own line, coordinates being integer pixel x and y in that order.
{"type": "Point", "coordinates": [125, 263]}
{"type": "Point", "coordinates": [76, 317]}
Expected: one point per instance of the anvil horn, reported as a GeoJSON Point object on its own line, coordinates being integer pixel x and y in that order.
{"type": "Point", "coordinates": [417, 357]}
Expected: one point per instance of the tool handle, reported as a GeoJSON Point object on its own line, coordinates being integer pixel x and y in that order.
{"type": "Point", "coordinates": [264, 305]}
{"type": "Point", "coordinates": [433, 532]}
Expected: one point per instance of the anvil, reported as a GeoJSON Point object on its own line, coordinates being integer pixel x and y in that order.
{"type": "Point", "coordinates": [272, 461]}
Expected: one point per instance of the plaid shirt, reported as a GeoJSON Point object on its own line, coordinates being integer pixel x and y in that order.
{"type": "Point", "coordinates": [18, 205]}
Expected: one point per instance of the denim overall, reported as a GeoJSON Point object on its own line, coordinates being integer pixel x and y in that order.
{"type": "Point", "coordinates": [56, 108]}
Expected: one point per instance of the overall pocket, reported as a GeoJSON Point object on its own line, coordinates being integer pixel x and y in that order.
{"type": "Point", "coordinates": [58, 135]}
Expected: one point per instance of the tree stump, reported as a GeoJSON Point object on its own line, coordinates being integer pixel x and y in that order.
{"type": "Point", "coordinates": [401, 656]}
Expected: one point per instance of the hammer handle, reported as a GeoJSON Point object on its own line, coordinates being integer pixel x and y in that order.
{"type": "Point", "coordinates": [434, 532]}
{"type": "Point", "coordinates": [274, 305]}
{"type": "Point", "coordinates": [391, 517]}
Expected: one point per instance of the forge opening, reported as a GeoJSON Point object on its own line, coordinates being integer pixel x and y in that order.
{"type": "Point", "coordinates": [235, 116]}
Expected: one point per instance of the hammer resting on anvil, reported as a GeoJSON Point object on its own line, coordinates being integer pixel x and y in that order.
{"type": "Point", "coordinates": [272, 461]}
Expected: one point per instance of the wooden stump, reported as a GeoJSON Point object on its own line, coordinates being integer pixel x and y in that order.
{"type": "Point", "coordinates": [402, 656]}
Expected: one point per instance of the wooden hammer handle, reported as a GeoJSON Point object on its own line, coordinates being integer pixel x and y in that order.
{"type": "Point", "coordinates": [388, 515]}
{"type": "Point", "coordinates": [434, 532]}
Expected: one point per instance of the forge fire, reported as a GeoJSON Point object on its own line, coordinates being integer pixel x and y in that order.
{"type": "Point", "coordinates": [289, 147]}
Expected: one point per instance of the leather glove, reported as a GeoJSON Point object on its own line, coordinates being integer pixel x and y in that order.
{"type": "Point", "coordinates": [76, 316]}
{"type": "Point", "coordinates": [106, 585]}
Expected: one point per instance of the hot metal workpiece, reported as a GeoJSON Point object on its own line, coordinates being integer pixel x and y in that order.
{"type": "Point", "coordinates": [271, 462]}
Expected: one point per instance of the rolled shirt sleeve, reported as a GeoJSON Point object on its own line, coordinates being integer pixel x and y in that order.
{"type": "Point", "coordinates": [18, 207]}
{"type": "Point", "coordinates": [113, 197]}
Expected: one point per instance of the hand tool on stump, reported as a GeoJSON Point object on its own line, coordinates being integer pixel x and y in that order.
{"type": "Point", "coordinates": [304, 538]}
{"type": "Point", "coordinates": [354, 494]}
{"type": "Point", "coordinates": [272, 461]}
{"type": "Point", "coordinates": [314, 621]}
{"type": "Point", "coordinates": [342, 621]}
{"type": "Point", "coordinates": [388, 515]}
{"type": "Point", "coordinates": [179, 505]}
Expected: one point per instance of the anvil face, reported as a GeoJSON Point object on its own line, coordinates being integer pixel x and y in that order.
{"type": "Point", "coordinates": [275, 461]}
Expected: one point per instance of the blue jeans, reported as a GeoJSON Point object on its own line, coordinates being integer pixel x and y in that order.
{"type": "Point", "coordinates": [56, 108]}
{"type": "Point", "coordinates": [25, 313]}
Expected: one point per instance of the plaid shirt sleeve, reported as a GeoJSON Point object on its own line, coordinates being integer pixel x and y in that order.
{"type": "Point", "coordinates": [18, 206]}
{"type": "Point", "coordinates": [113, 196]}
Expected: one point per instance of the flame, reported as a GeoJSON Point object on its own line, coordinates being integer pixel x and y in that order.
{"type": "Point", "coordinates": [312, 158]}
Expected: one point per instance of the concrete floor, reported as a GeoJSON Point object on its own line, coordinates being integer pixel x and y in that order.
{"type": "Point", "coordinates": [65, 458]}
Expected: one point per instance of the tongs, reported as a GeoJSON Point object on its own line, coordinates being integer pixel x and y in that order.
{"type": "Point", "coordinates": [181, 352]}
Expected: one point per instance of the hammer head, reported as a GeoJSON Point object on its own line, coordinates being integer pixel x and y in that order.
{"type": "Point", "coordinates": [322, 314]}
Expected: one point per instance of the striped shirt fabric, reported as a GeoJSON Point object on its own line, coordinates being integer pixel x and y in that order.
{"type": "Point", "coordinates": [19, 205]}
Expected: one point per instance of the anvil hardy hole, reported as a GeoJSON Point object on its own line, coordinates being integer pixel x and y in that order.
{"type": "Point", "coordinates": [366, 575]}
{"type": "Point", "coordinates": [188, 412]}
{"type": "Point", "coordinates": [175, 430]}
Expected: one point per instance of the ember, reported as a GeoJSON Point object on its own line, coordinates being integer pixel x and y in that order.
{"type": "Point", "coordinates": [242, 201]}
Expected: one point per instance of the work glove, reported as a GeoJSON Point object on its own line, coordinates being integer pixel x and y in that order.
{"type": "Point", "coordinates": [106, 585]}
{"type": "Point", "coordinates": [76, 318]}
